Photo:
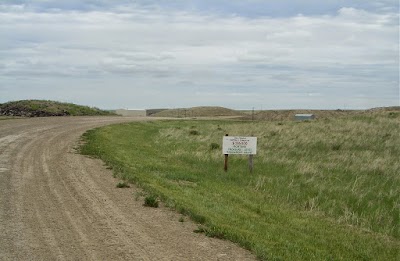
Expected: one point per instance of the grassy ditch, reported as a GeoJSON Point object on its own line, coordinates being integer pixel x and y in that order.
{"type": "Point", "coordinates": [320, 190]}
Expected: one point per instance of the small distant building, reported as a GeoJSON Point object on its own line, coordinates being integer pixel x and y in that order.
{"type": "Point", "coordinates": [304, 117]}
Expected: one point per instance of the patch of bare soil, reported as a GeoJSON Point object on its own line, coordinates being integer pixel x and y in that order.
{"type": "Point", "coordinates": [58, 205]}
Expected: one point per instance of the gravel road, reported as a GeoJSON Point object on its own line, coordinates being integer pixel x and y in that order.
{"type": "Point", "coordinates": [58, 205]}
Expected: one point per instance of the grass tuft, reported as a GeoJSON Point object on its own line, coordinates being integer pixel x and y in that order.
{"type": "Point", "coordinates": [151, 201]}
{"type": "Point", "coordinates": [200, 229]}
{"type": "Point", "coordinates": [123, 185]}
{"type": "Point", "coordinates": [336, 146]}
{"type": "Point", "coordinates": [214, 146]}
{"type": "Point", "coordinates": [194, 132]}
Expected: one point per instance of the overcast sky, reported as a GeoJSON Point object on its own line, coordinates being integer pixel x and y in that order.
{"type": "Point", "coordinates": [286, 54]}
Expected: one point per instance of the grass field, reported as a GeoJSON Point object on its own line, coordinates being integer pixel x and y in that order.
{"type": "Point", "coordinates": [320, 190]}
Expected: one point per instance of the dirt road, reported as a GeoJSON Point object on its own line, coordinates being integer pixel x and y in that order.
{"type": "Point", "coordinates": [58, 205]}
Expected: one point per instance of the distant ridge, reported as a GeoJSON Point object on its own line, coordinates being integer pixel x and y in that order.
{"type": "Point", "coordinates": [46, 108]}
{"type": "Point", "coordinates": [203, 111]}
{"type": "Point", "coordinates": [281, 115]}
{"type": "Point", "coordinates": [390, 108]}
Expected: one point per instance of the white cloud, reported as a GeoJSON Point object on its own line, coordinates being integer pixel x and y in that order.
{"type": "Point", "coordinates": [153, 51]}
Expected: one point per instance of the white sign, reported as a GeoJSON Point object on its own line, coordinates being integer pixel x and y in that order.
{"type": "Point", "coordinates": [239, 145]}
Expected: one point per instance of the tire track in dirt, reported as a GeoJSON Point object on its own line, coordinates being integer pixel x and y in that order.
{"type": "Point", "coordinates": [100, 210]}
{"type": "Point", "coordinates": [58, 205]}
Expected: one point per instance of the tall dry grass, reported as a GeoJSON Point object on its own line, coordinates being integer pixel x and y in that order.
{"type": "Point", "coordinates": [345, 168]}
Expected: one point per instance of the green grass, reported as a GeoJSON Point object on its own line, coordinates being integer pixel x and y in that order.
{"type": "Point", "coordinates": [320, 190]}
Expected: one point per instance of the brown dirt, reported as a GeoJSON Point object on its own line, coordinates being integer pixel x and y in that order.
{"type": "Point", "coordinates": [58, 205]}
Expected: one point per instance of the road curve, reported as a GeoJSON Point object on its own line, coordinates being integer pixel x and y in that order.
{"type": "Point", "coordinates": [58, 205]}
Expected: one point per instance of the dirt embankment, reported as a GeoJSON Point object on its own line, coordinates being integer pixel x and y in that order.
{"type": "Point", "coordinates": [43, 108]}
{"type": "Point", "coordinates": [58, 205]}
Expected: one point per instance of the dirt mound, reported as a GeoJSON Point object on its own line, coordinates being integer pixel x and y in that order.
{"type": "Point", "coordinates": [42, 108]}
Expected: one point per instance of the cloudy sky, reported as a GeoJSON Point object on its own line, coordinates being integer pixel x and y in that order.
{"type": "Point", "coordinates": [235, 53]}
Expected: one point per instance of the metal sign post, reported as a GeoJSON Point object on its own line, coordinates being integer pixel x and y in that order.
{"type": "Point", "coordinates": [226, 159]}
{"type": "Point", "coordinates": [251, 163]}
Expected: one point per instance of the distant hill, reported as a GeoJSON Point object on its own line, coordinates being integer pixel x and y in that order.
{"type": "Point", "coordinates": [390, 108]}
{"type": "Point", "coordinates": [282, 115]}
{"type": "Point", "coordinates": [44, 108]}
{"type": "Point", "coordinates": [198, 112]}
